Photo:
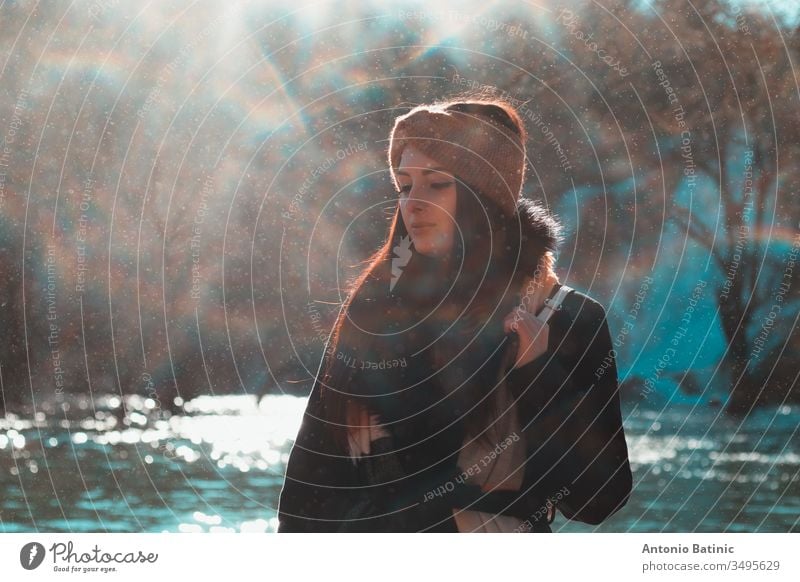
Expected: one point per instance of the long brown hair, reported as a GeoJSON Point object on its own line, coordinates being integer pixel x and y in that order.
{"type": "Point", "coordinates": [474, 293]}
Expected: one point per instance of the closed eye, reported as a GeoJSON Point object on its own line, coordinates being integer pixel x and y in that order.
{"type": "Point", "coordinates": [437, 185]}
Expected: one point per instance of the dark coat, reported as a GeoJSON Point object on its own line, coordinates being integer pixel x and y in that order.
{"type": "Point", "coordinates": [569, 411]}
{"type": "Point", "coordinates": [570, 397]}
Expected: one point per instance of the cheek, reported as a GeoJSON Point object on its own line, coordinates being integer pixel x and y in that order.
{"type": "Point", "coordinates": [403, 213]}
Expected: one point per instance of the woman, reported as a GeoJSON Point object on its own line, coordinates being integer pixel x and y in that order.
{"type": "Point", "coordinates": [451, 397]}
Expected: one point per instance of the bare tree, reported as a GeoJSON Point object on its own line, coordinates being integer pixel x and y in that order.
{"type": "Point", "coordinates": [718, 88]}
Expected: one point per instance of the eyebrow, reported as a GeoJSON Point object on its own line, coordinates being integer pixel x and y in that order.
{"type": "Point", "coordinates": [425, 172]}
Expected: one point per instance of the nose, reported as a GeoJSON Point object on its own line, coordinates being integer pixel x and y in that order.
{"type": "Point", "coordinates": [415, 205]}
{"type": "Point", "coordinates": [416, 201]}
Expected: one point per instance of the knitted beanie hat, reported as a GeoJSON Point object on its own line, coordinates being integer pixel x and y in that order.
{"type": "Point", "coordinates": [481, 143]}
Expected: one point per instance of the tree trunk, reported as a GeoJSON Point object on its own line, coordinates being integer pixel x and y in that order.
{"type": "Point", "coordinates": [735, 318]}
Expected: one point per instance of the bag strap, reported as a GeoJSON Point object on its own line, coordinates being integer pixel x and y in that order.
{"type": "Point", "coordinates": [551, 305]}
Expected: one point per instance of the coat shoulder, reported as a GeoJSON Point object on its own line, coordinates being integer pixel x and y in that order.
{"type": "Point", "coordinates": [584, 308]}
{"type": "Point", "coordinates": [579, 328]}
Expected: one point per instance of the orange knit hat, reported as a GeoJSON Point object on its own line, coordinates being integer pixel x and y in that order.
{"type": "Point", "coordinates": [482, 143]}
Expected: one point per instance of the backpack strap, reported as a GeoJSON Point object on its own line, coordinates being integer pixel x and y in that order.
{"type": "Point", "coordinates": [553, 304]}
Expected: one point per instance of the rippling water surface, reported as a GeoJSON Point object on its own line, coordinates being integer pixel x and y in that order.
{"type": "Point", "coordinates": [219, 465]}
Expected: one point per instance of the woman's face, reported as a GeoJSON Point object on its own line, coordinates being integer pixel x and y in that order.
{"type": "Point", "coordinates": [427, 202]}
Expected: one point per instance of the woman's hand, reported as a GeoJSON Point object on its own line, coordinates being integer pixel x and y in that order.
{"type": "Point", "coordinates": [363, 427]}
{"type": "Point", "coordinates": [533, 334]}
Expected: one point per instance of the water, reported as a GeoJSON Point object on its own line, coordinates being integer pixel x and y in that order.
{"type": "Point", "coordinates": [219, 467]}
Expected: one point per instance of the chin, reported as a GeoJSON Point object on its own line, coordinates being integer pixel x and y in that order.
{"type": "Point", "coordinates": [430, 253]}
{"type": "Point", "coordinates": [429, 248]}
